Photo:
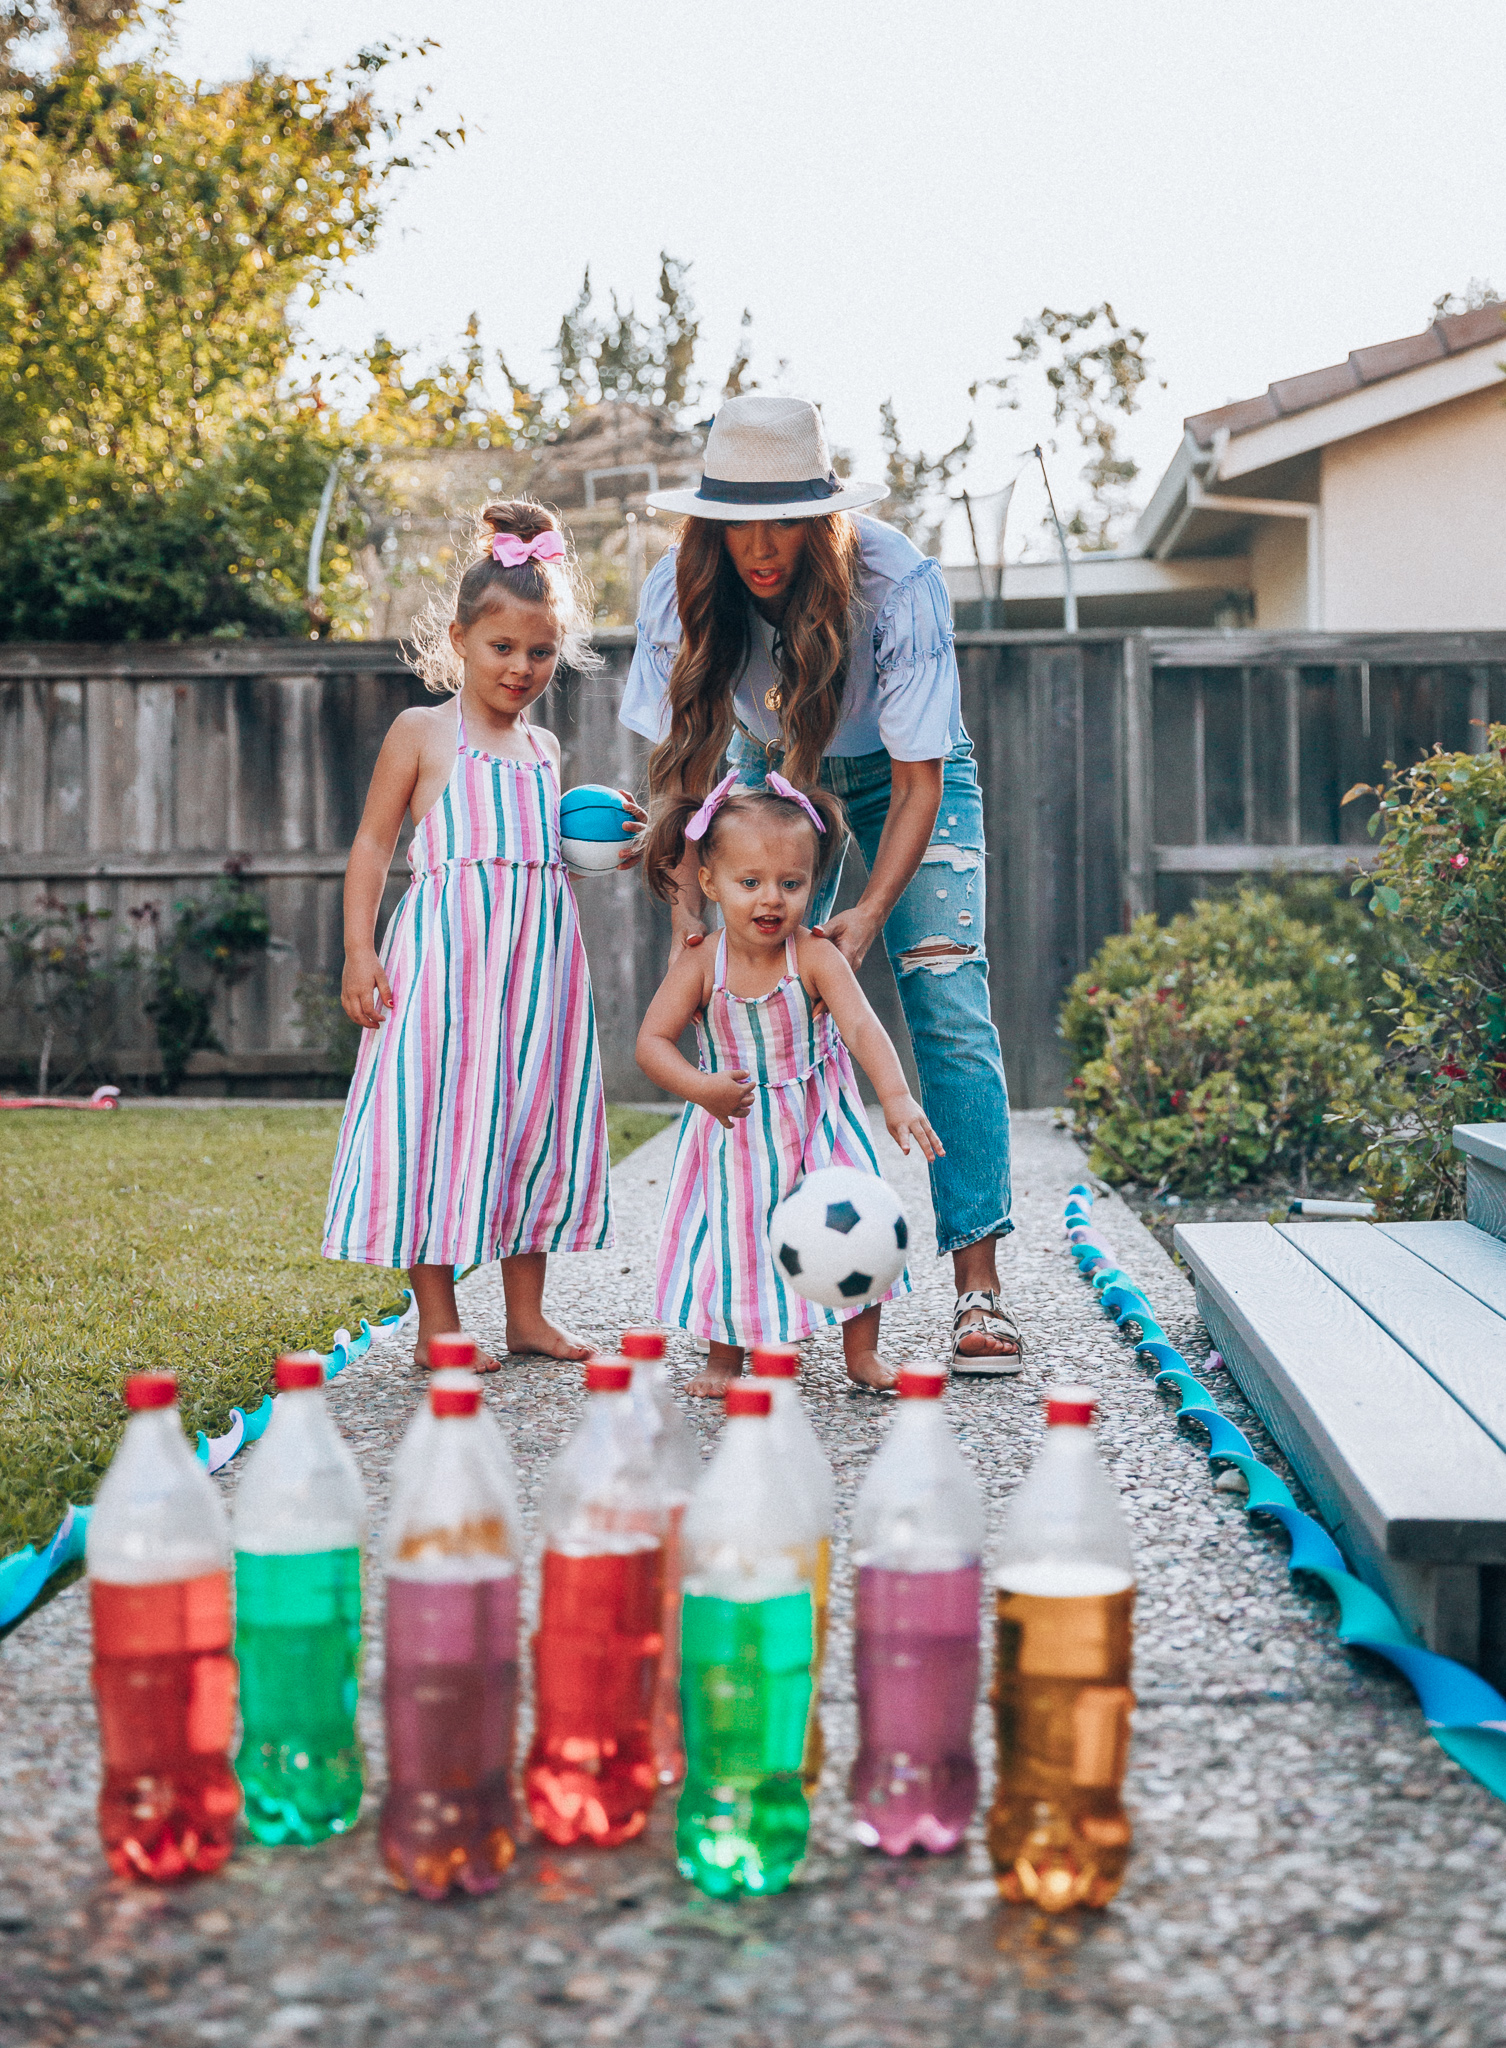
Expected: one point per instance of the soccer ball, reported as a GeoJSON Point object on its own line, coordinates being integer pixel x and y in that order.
{"type": "Point", "coordinates": [591, 836]}
{"type": "Point", "coordinates": [840, 1237]}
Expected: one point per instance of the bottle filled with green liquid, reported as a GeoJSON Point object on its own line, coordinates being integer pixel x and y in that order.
{"type": "Point", "coordinates": [298, 1527]}
{"type": "Point", "coordinates": [747, 1645]}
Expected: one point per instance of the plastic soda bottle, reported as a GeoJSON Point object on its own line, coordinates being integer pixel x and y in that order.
{"type": "Point", "coordinates": [1058, 1832]}
{"type": "Point", "coordinates": [918, 1530]}
{"type": "Point", "coordinates": [158, 1556]}
{"type": "Point", "coordinates": [747, 1641]}
{"type": "Point", "coordinates": [677, 1467]}
{"type": "Point", "coordinates": [591, 1774]}
{"type": "Point", "coordinates": [809, 1469]}
{"type": "Point", "coordinates": [453, 1551]}
{"type": "Point", "coordinates": [298, 1527]}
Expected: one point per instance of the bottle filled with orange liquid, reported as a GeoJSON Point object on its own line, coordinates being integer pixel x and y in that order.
{"type": "Point", "coordinates": [809, 1475]}
{"type": "Point", "coordinates": [591, 1775]}
{"type": "Point", "coordinates": [677, 1466]}
{"type": "Point", "coordinates": [1065, 1589]}
{"type": "Point", "coordinates": [159, 1596]}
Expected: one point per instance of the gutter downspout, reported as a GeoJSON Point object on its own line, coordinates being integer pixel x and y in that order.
{"type": "Point", "coordinates": [1200, 499]}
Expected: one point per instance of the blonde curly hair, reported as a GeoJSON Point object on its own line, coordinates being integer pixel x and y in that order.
{"type": "Point", "coordinates": [559, 586]}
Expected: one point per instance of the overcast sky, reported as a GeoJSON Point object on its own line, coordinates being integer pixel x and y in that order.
{"type": "Point", "coordinates": [891, 186]}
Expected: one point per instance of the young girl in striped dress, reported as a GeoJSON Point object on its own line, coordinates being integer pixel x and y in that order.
{"type": "Point", "coordinates": [475, 1127]}
{"type": "Point", "coordinates": [776, 1096]}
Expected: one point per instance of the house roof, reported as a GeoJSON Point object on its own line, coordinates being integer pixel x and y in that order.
{"type": "Point", "coordinates": [1451, 336]}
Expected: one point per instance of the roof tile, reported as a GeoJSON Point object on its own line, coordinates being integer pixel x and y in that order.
{"type": "Point", "coordinates": [1289, 395]}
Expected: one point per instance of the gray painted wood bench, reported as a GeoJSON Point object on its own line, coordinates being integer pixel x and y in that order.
{"type": "Point", "coordinates": [1375, 1354]}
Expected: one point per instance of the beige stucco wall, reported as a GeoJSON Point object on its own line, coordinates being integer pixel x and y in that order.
{"type": "Point", "coordinates": [1414, 522]}
{"type": "Point", "coordinates": [1278, 574]}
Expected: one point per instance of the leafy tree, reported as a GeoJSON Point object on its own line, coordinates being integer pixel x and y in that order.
{"type": "Point", "coordinates": [625, 357]}
{"type": "Point", "coordinates": [153, 238]}
{"type": "Point", "coordinates": [916, 480]}
{"type": "Point", "coordinates": [1477, 293]}
{"type": "Point", "coordinates": [1094, 368]}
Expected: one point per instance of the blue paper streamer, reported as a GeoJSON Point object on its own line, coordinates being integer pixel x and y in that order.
{"type": "Point", "coordinates": [1465, 1715]}
{"type": "Point", "coordinates": [25, 1572]}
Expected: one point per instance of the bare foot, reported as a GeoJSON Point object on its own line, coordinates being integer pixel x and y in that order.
{"type": "Point", "coordinates": [867, 1369]}
{"type": "Point", "coordinates": [484, 1360]}
{"type": "Point", "coordinates": [724, 1364]}
{"type": "Point", "coordinates": [537, 1338]}
{"type": "Point", "coordinates": [711, 1382]}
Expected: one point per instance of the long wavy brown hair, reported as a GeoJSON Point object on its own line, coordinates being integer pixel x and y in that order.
{"type": "Point", "coordinates": [814, 648]}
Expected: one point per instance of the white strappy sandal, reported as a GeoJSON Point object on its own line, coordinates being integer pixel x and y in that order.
{"type": "Point", "coordinates": [995, 1321]}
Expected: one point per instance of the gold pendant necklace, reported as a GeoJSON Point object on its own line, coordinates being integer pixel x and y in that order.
{"type": "Point", "coordinates": [773, 698]}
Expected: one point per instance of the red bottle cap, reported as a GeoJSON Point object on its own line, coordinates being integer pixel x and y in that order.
{"type": "Point", "coordinates": [151, 1390]}
{"type": "Point", "coordinates": [608, 1375]}
{"type": "Point", "coordinates": [1075, 1406]}
{"type": "Point", "coordinates": [776, 1361]}
{"type": "Point", "coordinates": [453, 1348]}
{"type": "Point", "coordinates": [454, 1400]}
{"type": "Point", "coordinates": [921, 1383]}
{"type": "Point", "coordinates": [642, 1344]}
{"type": "Point", "coordinates": [749, 1400]}
{"type": "Point", "coordinates": [299, 1369]}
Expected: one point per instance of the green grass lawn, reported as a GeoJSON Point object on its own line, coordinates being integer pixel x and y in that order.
{"type": "Point", "coordinates": [152, 1240]}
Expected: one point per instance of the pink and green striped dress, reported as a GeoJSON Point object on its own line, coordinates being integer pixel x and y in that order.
{"type": "Point", "coordinates": [717, 1277]}
{"type": "Point", "coordinates": [475, 1127]}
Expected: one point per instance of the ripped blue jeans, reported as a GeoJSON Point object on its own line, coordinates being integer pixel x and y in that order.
{"type": "Point", "coordinates": [944, 994]}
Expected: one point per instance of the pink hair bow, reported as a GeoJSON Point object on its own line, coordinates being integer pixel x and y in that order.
{"type": "Point", "coordinates": [512, 553]}
{"type": "Point", "coordinates": [700, 824]}
{"type": "Point", "coordinates": [792, 795]}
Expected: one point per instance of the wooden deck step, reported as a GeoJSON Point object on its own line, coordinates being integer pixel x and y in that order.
{"type": "Point", "coordinates": [1411, 1484]}
{"type": "Point", "coordinates": [1471, 1258]}
{"type": "Point", "coordinates": [1449, 1331]}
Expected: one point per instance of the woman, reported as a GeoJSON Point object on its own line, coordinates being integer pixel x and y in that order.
{"type": "Point", "coordinates": [782, 633]}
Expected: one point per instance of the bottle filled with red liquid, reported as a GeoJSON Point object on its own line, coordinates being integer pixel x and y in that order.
{"type": "Point", "coordinates": [591, 1774]}
{"type": "Point", "coordinates": [158, 1556]}
{"type": "Point", "coordinates": [677, 1467]}
{"type": "Point", "coordinates": [809, 1475]}
{"type": "Point", "coordinates": [918, 1529]}
{"type": "Point", "coordinates": [1058, 1832]}
{"type": "Point", "coordinates": [450, 1690]}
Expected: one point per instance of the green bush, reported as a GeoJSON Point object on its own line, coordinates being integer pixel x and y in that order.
{"type": "Point", "coordinates": [1209, 1050]}
{"type": "Point", "coordinates": [221, 550]}
{"type": "Point", "coordinates": [1300, 929]}
{"type": "Point", "coordinates": [1440, 882]}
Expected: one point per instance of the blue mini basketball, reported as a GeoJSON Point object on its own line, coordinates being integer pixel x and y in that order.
{"type": "Point", "coordinates": [591, 820]}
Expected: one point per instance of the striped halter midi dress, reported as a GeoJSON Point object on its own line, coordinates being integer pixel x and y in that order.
{"type": "Point", "coordinates": [716, 1275]}
{"type": "Point", "coordinates": [475, 1127]}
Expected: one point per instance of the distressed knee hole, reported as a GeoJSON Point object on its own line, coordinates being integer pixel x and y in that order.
{"type": "Point", "coordinates": [937, 955]}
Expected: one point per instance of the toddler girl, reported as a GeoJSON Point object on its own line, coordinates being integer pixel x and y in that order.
{"type": "Point", "coordinates": [475, 1127]}
{"type": "Point", "coordinates": [776, 1096]}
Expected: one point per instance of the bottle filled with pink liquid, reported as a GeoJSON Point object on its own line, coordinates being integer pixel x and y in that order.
{"type": "Point", "coordinates": [454, 1549]}
{"type": "Point", "coordinates": [158, 1557]}
{"type": "Point", "coordinates": [591, 1775]}
{"type": "Point", "coordinates": [918, 1529]}
{"type": "Point", "coordinates": [677, 1467]}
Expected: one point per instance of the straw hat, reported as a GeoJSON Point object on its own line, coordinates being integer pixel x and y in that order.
{"type": "Point", "coordinates": [767, 458]}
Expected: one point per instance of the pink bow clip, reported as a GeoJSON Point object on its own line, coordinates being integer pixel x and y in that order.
{"type": "Point", "coordinates": [512, 553]}
{"type": "Point", "coordinates": [792, 795]}
{"type": "Point", "coordinates": [700, 824]}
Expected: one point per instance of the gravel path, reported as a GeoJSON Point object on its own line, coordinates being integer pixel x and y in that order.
{"type": "Point", "coordinates": [1310, 1868]}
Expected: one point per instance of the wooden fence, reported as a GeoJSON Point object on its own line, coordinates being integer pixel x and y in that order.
{"type": "Point", "coordinates": [1121, 773]}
